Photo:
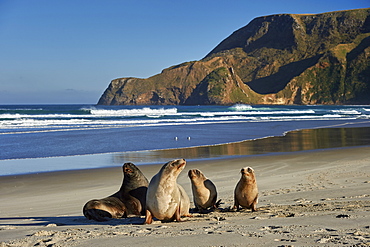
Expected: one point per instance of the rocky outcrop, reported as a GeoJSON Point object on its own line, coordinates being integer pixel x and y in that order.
{"type": "Point", "coordinates": [277, 59]}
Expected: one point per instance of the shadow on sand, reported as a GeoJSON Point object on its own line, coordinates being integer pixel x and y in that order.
{"type": "Point", "coordinates": [66, 221]}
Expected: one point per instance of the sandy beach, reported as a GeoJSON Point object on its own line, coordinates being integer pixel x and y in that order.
{"type": "Point", "coordinates": [308, 198]}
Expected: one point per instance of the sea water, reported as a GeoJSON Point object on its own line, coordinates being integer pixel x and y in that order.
{"type": "Point", "coordinates": [31, 132]}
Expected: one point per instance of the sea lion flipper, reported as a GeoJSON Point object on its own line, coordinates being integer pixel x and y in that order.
{"type": "Point", "coordinates": [97, 215]}
{"type": "Point", "coordinates": [133, 205]}
{"type": "Point", "coordinates": [217, 204]}
{"type": "Point", "coordinates": [236, 203]}
{"type": "Point", "coordinates": [148, 217]}
{"type": "Point", "coordinates": [177, 215]}
{"type": "Point", "coordinates": [254, 204]}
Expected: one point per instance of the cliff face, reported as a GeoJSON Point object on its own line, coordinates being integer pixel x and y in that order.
{"type": "Point", "coordinates": [277, 59]}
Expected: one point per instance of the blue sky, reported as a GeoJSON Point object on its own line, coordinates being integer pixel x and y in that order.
{"type": "Point", "coordinates": [68, 51]}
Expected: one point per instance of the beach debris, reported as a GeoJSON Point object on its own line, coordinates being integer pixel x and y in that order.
{"type": "Point", "coordinates": [51, 225]}
{"type": "Point", "coordinates": [325, 240]}
{"type": "Point", "coordinates": [219, 218]}
{"type": "Point", "coordinates": [302, 201]}
{"type": "Point", "coordinates": [342, 216]}
{"type": "Point", "coordinates": [43, 233]}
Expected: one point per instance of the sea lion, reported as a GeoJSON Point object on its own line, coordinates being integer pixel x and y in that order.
{"type": "Point", "coordinates": [101, 209]}
{"type": "Point", "coordinates": [204, 191]}
{"type": "Point", "coordinates": [128, 200]}
{"type": "Point", "coordinates": [133, 189]}
{"type": "Point", "coordinates": [246, 191]}
{"type": "Point", "coordinates": [166, 200]}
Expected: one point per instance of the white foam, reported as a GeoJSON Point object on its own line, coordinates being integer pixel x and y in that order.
{"type": "Point", "coordinates": [241, 107]}
{"type": "Point", "coordinates": [100, 113]}
{"type": "Point", "coordinates": [21, 109]}
{"type": "Point", "coordinates": [24, 116]}
{"type": "Point", "coordinates": [118, 118]}
{"type": "Point", "coordinates": [146, 111]}
{"type": "Point", "coordinates": [350, 112]}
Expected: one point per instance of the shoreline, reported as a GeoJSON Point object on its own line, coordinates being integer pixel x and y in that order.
{"type": "Point", "coordinates": [297, 140]}
{"type": "Point", "coordinates": [306, 198]}
{"type": "Point", "coordinates": [193, 161]}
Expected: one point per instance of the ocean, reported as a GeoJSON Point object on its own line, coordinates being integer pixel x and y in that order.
{"type": "Point", "coordinates": [90, 136]}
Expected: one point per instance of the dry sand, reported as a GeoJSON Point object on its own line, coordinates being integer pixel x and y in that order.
{"type": "Point", "coordinates": [317, 198]}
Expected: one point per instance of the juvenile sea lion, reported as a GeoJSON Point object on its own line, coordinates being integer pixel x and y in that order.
{"type": "Point", "coordinates": [129, 200]}
{"type": "Point", "coordinates": [166, 200]}
{"type": "Point", "coordinates": [246, 191]}
{"type": "Point", "coordinates": [204, 191]}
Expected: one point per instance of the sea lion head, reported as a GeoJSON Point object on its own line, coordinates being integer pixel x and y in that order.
{"type": "Point", "coordinates": [173, 167]}
{"type": "Point", "coordinates": [195, 173]}
{"type": "Point", "coordinates": [129, 168]}
{"type": "Point", "coordinates": [130, 171]}
{"type": "Point", "coordinates": [247, 172]}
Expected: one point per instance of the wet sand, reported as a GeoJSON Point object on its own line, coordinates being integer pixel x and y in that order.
{"type": "Point", "coordinates": [300, 140]}
{"type": "Point", "coordinates": [307, 198]}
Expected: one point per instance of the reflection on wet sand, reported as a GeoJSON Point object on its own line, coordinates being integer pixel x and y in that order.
{"type": "Point", "coordinates": [293, 141]}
